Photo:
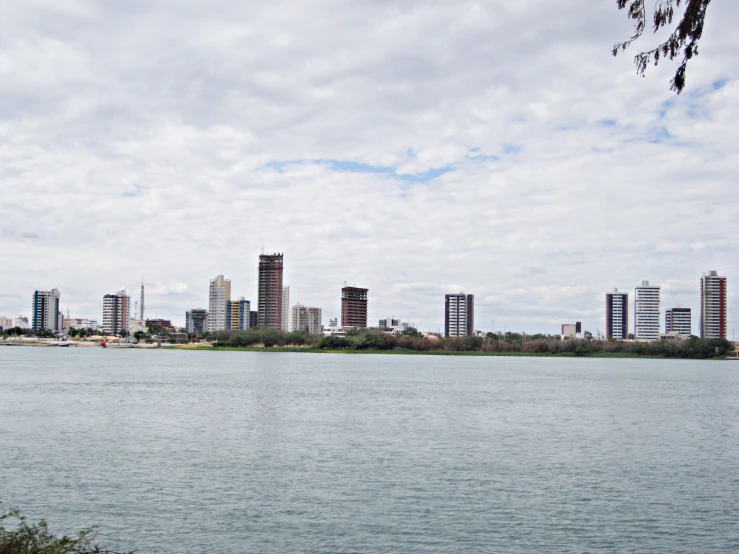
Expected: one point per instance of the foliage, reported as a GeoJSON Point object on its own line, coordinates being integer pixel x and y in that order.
{"type": "Point", "coordinates": [410, 332]}
{"type": "Point", "coordinates": [682, 41]}
{"type": "Point", "coordinates": [375, 340]}
{"type": "Point", "coordinates": [265, 336]}
{"type": "Point", "coordinates": [35, 538]}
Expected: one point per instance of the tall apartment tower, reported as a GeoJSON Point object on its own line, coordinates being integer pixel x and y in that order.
{"type": "Point", "coordinates": [218, 296]}
{"type": "Point", "coordinates": [46, 314]}
{"type": "Point", "coordinates": [646, 312]}
{"type": "Point", "coordinates": [285, 309]}
{"type": "Point", "coordinates": [269, 303]}
{"type": "Point", "coordinates": [195, 320]}
{"type": "Point", "coordinates": [679, 320]}
{"type": "Point", "coordinates": [354, 302]}
{"type": "Point", "coordinates": [116, 312]}
{"type": "Point", "coordinates": [306, 319]}
{"type": "Point", "coordinates": [238, 312]}
{"type": "Point", "coordinates": [617, 315]}
{"type": "Point", "coordinates": [714, 319]}
{"type": "Point", "coordinates": [459, 314]}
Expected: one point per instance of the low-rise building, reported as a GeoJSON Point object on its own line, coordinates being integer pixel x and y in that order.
{"type": "Point", "coordinates": [81, 323]}
{"type": "Point", "coordinates": [137, 326]}
{"type": "Point", "coordinates": [6, 322]}
{"type": "Point", "coordinates": [673, 335]}
{"type": "Point", "coordinates": [160, 325]}
{"type": "Point", "coordinates": [21, 322]}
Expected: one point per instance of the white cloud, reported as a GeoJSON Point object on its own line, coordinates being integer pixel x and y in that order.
{"type": "Point", "coordinates": [176, 139]}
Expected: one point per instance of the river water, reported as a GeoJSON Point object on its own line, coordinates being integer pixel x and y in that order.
{"type": "Point", "coordinates": [256, 452]}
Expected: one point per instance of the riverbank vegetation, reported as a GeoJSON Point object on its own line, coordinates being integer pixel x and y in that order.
{"type": "Point", "coordinates": [22, 537]}
{"type": "Point", "coordinates": [411, 341]}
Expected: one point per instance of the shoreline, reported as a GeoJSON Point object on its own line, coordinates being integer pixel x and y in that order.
{"type": "Point", "coordinates": [451, 353]}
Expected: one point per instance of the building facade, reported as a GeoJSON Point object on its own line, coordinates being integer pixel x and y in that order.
{"type": "Point", "coordinates": [286, 309]}
{"type": "Point", "coordinates": [116, 312]}
{"type": "Point", "coordinates": [571, 330]}
{"type": "Point", "coordinates": [253, 318]}
{"type": "Point", "coordinates": [46, 314]}
{"type": "Point", "coordinates": [679, 320]}
{"type": "Point", "coordinates": [159, 325]}
{"type": "Point", "coordinates": [21, 322]}
{"type": "Point", "coordinates": [196, 320]}
{"type": "Point", "coordinates": [617, 315]}
{"type": "Point", "coordinates": [714, 317]}
{"type": "Point", "coordinates": [354, 302]}
{"type": "Point", "coordinates": [269, 303]}
{"type": "Point", "coordinates": [307, 319]}
{"type": "Point", "coordinates": [239, 312]}
{"type": "Point", "coordinates": [459, 315]}
{"type": "Point", "coordinates": [219, 294]}
{"type": "Point", "coordinates": [646, 312]}
{"type": "Point", "coordinates": [388, 323]}
{"type": "Point", "coordinates": [6, 322]}
{"type": "Point", "coordinates": [81, 323]}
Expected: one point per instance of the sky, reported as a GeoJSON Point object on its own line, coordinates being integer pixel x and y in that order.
{"type": "Point", "coordinates": [414, 148]}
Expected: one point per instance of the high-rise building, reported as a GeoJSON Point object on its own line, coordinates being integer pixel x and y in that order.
{"type": "Point", "coordinates": [679, 320]}
{"type": "Point", "coordinates": [459, 314]}
{"type": "Point", "coordinates": [116, 312]}
{"type": "Point", "coordinates": [46, 314]}
{"type": "Point", "coordinates": [219, 294]}
{"type": "Point", "coordinates": [306, 319]}
{"type": "Point", "coordinates": [253, 318]}
{"type": "Point", "coordinates": [269, 303]}
{"type": "Point", "coordinates": [6, 322]}
{"type": "Point", "coordinates": [238, 314]}
{"type": "Point", "coordinates": [354, 302]}
{"type": "Point", "coordinates": [714, 318]}
{"type": "Point", "coordinates": [646, 312]}
{"type": "Point", "coordinates": [196, 320]}
{"type": "Point", "coordinates": [569, 330]}
{"type": "Point", "coordinates": [388, 323]}
{"type": "Point", "coordinates": [285, 309]}
{"type": "Point", "coordinates": [617, 315]}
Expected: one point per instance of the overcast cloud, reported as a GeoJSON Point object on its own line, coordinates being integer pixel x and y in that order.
{"type": "Point", "coordinates": [415, 148]}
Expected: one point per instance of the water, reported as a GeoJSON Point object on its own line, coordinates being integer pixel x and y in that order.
{"type": "Point", "coordinates": [250, 452]}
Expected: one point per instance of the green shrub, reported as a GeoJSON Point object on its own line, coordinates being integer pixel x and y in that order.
{"type": "Point", "coordinates": [35, 538]}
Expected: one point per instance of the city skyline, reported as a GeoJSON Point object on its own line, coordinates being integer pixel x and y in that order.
{"type": "Point", "coordinates": [659, 317]}
{"type": "Point", "coordinates": [540, 184]}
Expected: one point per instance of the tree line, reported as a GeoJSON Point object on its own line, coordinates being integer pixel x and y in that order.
{"type": "Point", "coordinates": [412, 340]}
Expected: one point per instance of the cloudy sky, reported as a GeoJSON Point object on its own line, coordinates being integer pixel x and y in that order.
{"type": "Point", "coordinates": [412, 147]}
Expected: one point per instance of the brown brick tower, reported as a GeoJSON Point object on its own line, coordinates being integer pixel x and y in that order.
{"type": "Point", "coordinates": [269, 308]}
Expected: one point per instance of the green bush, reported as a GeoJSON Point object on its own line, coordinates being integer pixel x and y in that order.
{"type": "Point", "coordinates": [35, 538]}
